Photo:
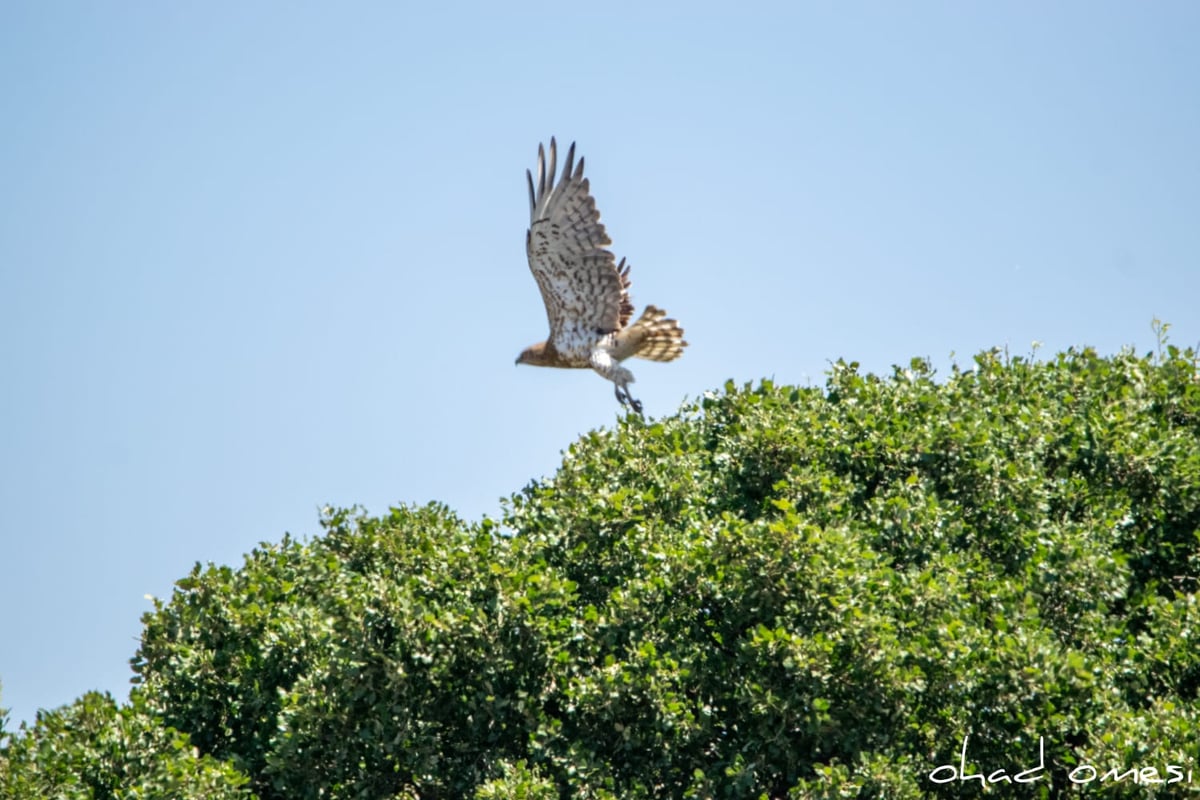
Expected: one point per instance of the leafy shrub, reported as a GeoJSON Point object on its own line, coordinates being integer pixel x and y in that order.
{"type": "Point", "coordinates": [93, 750]}
{"type": "Point", "coordinates": [776, 592]}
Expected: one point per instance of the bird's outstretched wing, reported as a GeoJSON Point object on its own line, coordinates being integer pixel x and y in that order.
{"type": "Point", "coordinates": [584, 289]}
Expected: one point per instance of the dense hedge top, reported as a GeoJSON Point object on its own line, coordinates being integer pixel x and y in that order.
{"type": "Point", "coordinates": [805, 591]}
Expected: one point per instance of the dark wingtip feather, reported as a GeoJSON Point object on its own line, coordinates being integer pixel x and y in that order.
{"type": "Point", "coordinates": [541, 180]}
{"type": "Point", "coordinates": [569, 170]}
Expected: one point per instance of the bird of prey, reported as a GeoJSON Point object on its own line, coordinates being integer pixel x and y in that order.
{"type": "Point", "coordinates": [585, 290]}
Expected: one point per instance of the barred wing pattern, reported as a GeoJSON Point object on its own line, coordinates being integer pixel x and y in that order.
{"type": "Point", "coordinates": [584, 289]}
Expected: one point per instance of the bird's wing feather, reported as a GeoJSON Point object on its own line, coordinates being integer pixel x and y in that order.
{"type": "Point", "coordinates": [584, 290]}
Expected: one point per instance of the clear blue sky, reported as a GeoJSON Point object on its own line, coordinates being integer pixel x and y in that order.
{"type": "Point", "coordinates": [260, 257]}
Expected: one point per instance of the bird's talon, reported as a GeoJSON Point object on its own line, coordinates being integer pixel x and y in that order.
{"type": "Point", "coordinates": [624, 398]}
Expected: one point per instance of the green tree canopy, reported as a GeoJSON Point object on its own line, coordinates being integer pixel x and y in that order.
{"type": "Point", "coordinates": [95, 750]}
{"type": "Point", "coordinates": [778, 591]}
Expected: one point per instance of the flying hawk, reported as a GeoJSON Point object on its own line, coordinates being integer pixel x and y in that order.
{"type": "Point", "coordinates": [585, 291]}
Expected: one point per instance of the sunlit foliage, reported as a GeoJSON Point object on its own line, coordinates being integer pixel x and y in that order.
{"type": "Point", "coordinates": [779, 591]}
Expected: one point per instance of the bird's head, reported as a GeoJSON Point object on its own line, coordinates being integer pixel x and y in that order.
{"type": "Point", "coordinates": [535, 354]}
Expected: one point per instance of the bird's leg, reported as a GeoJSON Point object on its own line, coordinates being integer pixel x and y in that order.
{"type": "Point", "coordinates": [602, 361]}
{"type": "Point", "coordinates": [625, 399]}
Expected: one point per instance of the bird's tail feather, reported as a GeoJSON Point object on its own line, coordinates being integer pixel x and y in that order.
{"type": "Point", "coordinates": [654, 337]}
